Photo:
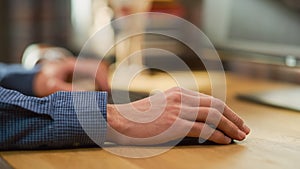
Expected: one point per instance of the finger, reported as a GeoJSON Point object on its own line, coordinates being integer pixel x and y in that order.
{"type": "Point", "coordinates": [233, 117]}
{"type": "Point", "coordinates": [215, 103]}
{"type": "Point", "coordinates": [185, 96]}
{"type": "Point", "coordinates": [190, 98]}
{"type": "Point", "coordinates": [213, 117]}
{"type": "Point", "coordinates": [61, 70]}
{"type": "Point", "coordinates": [207, 133]}
{"type": "Point", "coordinates": [226, 111]}
{"type": "Point", "coordinates": [195, 99]}
{"type": "Point", "coordinates": [202, 100]}
{"type": "Point", "coordinates": [193, 93]}
{"type": "Point", "coordinates": [55, 85]}
{"type": "Point", "coordinates": [69, 68]}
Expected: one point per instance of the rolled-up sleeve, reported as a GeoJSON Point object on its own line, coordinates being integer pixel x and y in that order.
{"type": "Point", "coordinates": [61, 120]}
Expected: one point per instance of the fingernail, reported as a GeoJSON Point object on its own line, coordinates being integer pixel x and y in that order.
{"type": "Point", "coordinates": [227, 139]}
{"type": "Point", "coordinates": [241, 134]}
{"type": "Point", "coordinates": [246, 129]}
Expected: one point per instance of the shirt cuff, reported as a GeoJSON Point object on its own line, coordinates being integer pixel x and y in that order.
{"type": "Point", "coordinates": [79, 118]}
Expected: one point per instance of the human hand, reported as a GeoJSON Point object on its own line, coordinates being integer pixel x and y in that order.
{"type": "Point", "coordinates": [172, 115]}
{"type": "Point", "coordinates": [54, 76]}
{"type": "Point", "coordinates": [57, 75]}
{"type": "Point", "coordinates": [96, 71]}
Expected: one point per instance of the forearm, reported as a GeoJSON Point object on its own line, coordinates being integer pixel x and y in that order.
{"type": "Point", "coordinates": [50, 122]}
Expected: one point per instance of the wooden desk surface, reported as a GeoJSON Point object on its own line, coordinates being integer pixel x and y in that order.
{"type": "Point", "coordinates": [274, 142]}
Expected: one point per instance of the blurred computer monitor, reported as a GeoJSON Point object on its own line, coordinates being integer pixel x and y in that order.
{"type": "Point", "coordinates": [262, 26]}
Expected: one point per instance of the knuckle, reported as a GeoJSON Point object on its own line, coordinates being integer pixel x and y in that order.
{"type": "Point", "coordinates": [176, 96]}
{"type": "Point", "coordinates": [237, 120]}
{"type": "Point", "coordinates": [173, 108]}
{"type": "Point", "coordinates": [218, 101]}
{"type": "Point", "coordinates": [218, 104]}
{"type": "Point", "coordinates": [176, 89]}
{"type": "Point", "coordinates": [213, 114]}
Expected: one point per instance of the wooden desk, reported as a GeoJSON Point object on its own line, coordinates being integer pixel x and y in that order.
{"type": "Point", "coordinates": [274, 142]}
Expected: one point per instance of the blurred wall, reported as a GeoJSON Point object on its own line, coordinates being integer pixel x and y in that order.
{"type": "Point", "coordinates": [32, 21]}
{"type": "Point", "coordinates": [3, 31]}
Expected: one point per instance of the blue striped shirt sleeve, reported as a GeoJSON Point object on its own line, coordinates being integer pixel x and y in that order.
{"type": "Point", "coordinates": [61, 120]}
{"type": "Point", "coordinates": [16, 77]}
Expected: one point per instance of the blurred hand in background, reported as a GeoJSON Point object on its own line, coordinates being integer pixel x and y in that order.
{"type": "Point", "coordinates": [57, 75]}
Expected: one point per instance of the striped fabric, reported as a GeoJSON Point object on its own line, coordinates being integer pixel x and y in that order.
{"type": "Point", "coordinates": [60, 120]}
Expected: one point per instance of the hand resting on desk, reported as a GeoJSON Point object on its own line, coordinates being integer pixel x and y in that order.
{"type": "Point", "coordinates": [171, 115]}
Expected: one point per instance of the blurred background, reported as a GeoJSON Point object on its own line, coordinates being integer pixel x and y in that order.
{"type": "Point", "coordinates": [258, 38]}
{"type": "Point", "coordinates": [33, 21]}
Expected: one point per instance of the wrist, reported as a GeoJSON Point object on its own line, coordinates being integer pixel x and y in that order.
{"type": "Point", "coordinates": [37, 82]}
{"type": "Point", "coordinates": [112, 123]}
{"type": "Point", "coordinates": [117, 125]}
